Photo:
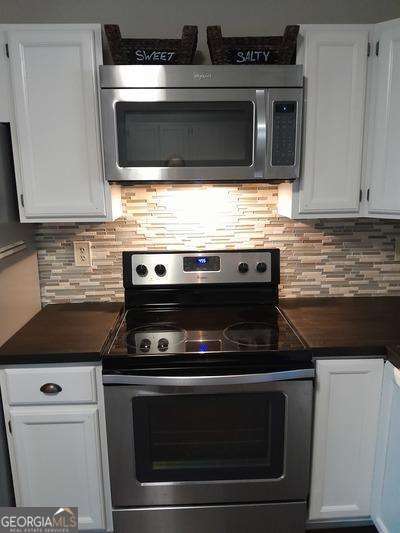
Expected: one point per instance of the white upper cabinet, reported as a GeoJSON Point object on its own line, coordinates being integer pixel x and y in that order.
{"type": "Point", "coordinates": [383, 168]}
{"type": "Point", "coordinates": [335, 70]}
{"type": "Point", "coordinates": [56, 122]}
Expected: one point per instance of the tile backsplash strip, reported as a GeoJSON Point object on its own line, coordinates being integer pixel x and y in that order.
{"type": "Point", "coordinates": [318, 258]}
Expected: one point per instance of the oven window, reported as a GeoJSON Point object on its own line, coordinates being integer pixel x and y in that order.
{"type": "Point", "coordinates": [185, 134]}
{"type": "Point", "coordinates": [209, 437]}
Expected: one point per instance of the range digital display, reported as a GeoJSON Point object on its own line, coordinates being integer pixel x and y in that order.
{"type": "Point", "coordinates": [210, 263]}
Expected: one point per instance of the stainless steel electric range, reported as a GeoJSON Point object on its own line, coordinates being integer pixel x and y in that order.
{"type": "Point", "coordinates": [208, 398]}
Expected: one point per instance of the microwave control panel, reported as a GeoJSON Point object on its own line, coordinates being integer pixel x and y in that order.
{"type": "Point", "coordinates": [284, 133]}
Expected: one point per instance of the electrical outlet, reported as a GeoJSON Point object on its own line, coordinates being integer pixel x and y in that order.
{"type": "Point", "coordinates": [397, 249]}
{"type": "Point", "coordinates": [83, 253]}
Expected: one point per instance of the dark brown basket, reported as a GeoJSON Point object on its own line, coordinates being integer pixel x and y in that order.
{"type": "Point", "coordinates": [152, 51]}
{"type": "Point", "coordinates": [279, 50]}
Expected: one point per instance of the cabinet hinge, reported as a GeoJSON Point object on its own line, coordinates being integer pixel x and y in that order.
{"type": "Point", "coordinates": [7, 51]}
{"type": "Point", "coordinates": [367, 195]}
{"type": "Point", "coordinates": [369, 49]}
{"type": "Point", "coordinates": [22, 200]}
{"type": "Point", "coordinates": [10, 427]}
{"type": "Point", "coordinates": [361, 195]}
{"type": "Point", "coordinates": [377, 48]}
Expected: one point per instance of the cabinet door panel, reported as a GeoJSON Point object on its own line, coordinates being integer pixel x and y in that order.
{"type": "Point", "coordinates": [345, 429]}
{"type": "Point", "coordinates": [59, 165]}
{"type": "Point", "coordinates": [384, 170]}
{"type": "Point", "coordinates": [386, 495]}
{"type": "Point", "coordinates": [335, 62]}
{"type": "Point", "coordinates": [58, 460]}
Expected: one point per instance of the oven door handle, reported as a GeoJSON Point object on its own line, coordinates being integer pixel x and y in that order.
{"type": "Point", "coordinates": [190, 381]}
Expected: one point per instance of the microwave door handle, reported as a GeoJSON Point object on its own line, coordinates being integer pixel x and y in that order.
{"type": "Point", "coordinates": [191, 381]}
{"type": "Point", "coordinates": [260, 152]}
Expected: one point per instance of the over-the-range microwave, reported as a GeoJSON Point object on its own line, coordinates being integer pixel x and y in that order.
{"type": "Point", "coordinates": [201, 123]}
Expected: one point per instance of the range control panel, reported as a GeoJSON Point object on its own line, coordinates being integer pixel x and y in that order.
{"type": "Point", "coordinates": [181, 268]}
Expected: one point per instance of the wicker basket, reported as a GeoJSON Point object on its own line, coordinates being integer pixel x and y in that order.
{"type": "Point", "coordinates": [279, 50]}
{"type": "Point", "coordinates": [152, 51]}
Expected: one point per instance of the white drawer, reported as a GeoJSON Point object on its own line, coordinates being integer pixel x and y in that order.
{"type": "Point", "coordinates": [77, 384]}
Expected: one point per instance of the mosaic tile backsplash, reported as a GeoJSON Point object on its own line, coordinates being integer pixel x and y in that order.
{"type": "Point", "coordinates": [318, 257]}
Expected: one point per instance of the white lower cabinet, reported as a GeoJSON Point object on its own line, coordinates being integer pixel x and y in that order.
{"type": "Point", "coordinates": [346, 416]}
{"type": "Point", "coordinates": [58, 452]}
{"type": "Point", "coordinates": [386, 492]}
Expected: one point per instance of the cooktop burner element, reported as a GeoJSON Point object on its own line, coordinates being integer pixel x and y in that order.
{"type": "Point", "coordinates": [202, 330]}
{"type": "Point", "coordinates": [250, 334]}
{"type": "Point", "coordinates": [161, 337]}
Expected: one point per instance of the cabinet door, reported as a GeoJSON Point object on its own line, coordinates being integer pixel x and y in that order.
{"type": "Point", "coordinates": [4, 79]}
{"type": "Point", "coordinates": [384, 166]}
{"type": "Point", "coordinates": [335, 67]}
{"type": "Point", "coordinates": [386, 495]}
{"type": "Point", "coordinates": [57, 460]}
{"type": "Point", "coordinates": [56, 131]}
{"type": "Point", "coordinates": [345, 430]}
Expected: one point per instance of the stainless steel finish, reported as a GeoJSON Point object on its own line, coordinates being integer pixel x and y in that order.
{"type": "Point", "coordinates": [109, 98]}
{"type": "Point", "coordinates": [127, 491]}
{"type": "Point", "coordinates": [175, 274]}
{"type": "Point", "coordinates": [260, 136]}
{"type": "Point", "coordinates": [193, 381]}
{"type": "Point", "coordinates": [261, 85]}
{"type": "Point", "coordinates": [248, 518]}
{"type": "Point", "coordinates": [281, 172]}
{"type": "Point", "coordinates": [131, 76]}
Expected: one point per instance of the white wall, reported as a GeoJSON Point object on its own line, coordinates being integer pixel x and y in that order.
{"type": "Point", "coordinates": [162, 18]}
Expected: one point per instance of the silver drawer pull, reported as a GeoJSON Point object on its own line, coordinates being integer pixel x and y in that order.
{"type": "Point", "coordinates": [50, 388]}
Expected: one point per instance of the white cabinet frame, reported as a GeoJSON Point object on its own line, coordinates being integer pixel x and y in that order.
{"type": "Point", "coordinates": [347, 402]}
{"type": "Point", "coordinates": [32, 483]}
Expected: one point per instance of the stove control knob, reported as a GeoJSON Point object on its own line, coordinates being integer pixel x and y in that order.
{"type": "Point", "coordinates": [163, 345]}
{"type": "Point", "coordinates": [145, 345]}
{"type": "Point", "coordinates": [243, 268]}
{"type": "Point", "coordinates": [160, 270]}
{"type": "Point", "coordinates": [141, 270]}
{"type": "Point", "coordinates": [261, 267]}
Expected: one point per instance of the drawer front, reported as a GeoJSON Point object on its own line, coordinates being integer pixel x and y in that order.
{"type": "Point", "coordinates": [44, 385]}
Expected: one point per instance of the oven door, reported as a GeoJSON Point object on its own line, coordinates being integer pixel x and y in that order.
{"type": "Point", "coordinates": [184, 134]}
{"type": "Point", "coordinates": [209, 439]}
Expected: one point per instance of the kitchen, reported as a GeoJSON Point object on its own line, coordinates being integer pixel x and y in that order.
{"type": "Point", "coordinates": [217, 345]}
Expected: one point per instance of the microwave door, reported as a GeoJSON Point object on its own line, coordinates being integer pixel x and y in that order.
{"type": "Point", "coordinates": [184, 134]}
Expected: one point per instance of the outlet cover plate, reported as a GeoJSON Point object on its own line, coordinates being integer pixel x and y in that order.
{"type": "Point", "coordinates": [83, 253]}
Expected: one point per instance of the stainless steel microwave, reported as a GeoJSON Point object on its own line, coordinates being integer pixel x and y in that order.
{"type": "Point", "coordinates": [201, 123]}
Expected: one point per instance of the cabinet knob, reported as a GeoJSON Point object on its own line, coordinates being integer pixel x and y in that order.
{"type": "Point", "coordinates": [50, 388]}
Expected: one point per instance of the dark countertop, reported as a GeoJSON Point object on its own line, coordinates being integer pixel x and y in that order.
{"type": "Point", "coordinates": [346, 326]}
{"type": "Point", "coordinates": [393, 354]}
{"type": "Point", "coordinates": [329, 327]}
{"type": "Point", "coordinates": [62, 333]}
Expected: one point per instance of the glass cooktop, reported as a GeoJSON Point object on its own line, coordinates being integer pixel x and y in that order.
{"type": "Point", "coordinates": [204, 330]}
